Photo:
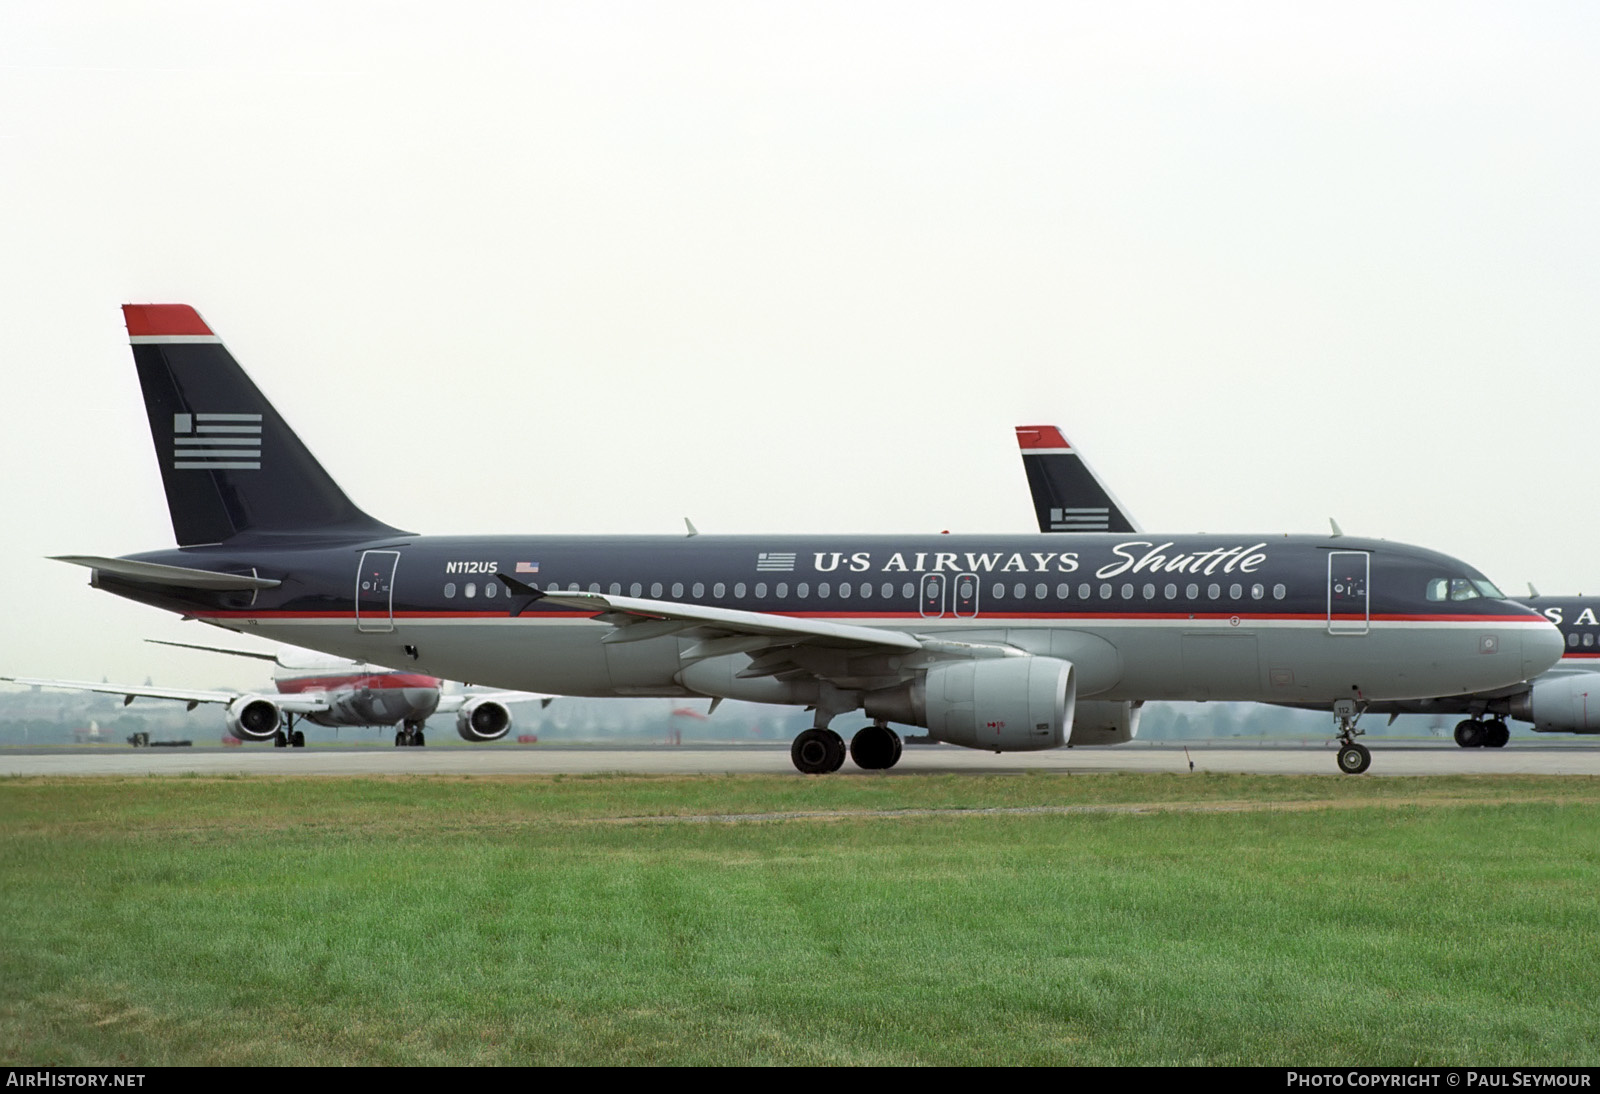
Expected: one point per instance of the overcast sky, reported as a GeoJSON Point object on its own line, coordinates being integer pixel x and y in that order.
{"type": "Point", "coordinates": [588, 267]}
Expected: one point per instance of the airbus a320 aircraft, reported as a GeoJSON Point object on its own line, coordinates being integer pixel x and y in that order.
{"type": "Point", "coordinates": [331, 692]}
{"type": "Point", "coordinates": [989, 641]}
{"type": "Point", "coordinates": [1564, 700]}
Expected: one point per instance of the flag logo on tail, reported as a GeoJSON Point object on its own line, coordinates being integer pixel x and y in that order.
{"type": "Point", "coordinates": [527, 567]}
{"type": "Point", "coordinates": [216, 442]}
{"type": "Point", "coordinates": [1080, 520]}
{"type": "Point", "coordinates": [772, 562]}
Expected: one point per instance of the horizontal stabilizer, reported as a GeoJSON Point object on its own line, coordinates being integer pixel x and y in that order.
{"type": "Point", "coordinates": [152, 573]}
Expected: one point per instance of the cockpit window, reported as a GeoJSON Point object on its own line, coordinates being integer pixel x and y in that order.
{"type": "Point", "coordinates": [1461, 588]}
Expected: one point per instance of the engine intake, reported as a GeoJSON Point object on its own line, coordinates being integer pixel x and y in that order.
{"type": "Point", "coordinates": [483, 720]}
{"type": "Point", "coordinates": [253, 718]}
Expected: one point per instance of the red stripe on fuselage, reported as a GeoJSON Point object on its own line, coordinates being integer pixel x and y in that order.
{"type": "Point", "coordinates": [1157, 616]}
{"type": "Point", "coordinates": [370, 681]}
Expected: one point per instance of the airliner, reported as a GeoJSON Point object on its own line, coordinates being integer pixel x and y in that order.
{"type": "Point", "coordinates": [995, 642]}
{"type": "Point", "coordinates": [328, 691]}
{"type": "Point", "coordinates": [1068, 497]}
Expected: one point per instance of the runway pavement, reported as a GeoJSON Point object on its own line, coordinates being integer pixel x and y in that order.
{"type": "Point", "coordinates": [1289, 758]}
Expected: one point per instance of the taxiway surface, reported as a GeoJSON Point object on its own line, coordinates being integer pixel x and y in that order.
{"type": "Point", "coordinates": [1311, 758]}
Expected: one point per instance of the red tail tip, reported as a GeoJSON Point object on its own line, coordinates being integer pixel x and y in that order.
{"type": "Point", "coordinates": [156, 320]}
{"type": "Point", "coordinates": [1040, 436]}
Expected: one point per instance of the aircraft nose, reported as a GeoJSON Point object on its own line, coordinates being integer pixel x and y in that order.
{"type": "Point", "coordinates": [1541, 649]}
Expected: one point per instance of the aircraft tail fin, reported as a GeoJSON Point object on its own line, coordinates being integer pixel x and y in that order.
{"type": "Point", "coordinates": [230, 464]}
{"type": "Point", "coordinates": [1067, 495]}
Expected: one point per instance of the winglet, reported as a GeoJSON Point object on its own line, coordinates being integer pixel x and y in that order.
{"type": "Point", "coordinates": [693, 531]}
{"type": "Point", "coordinates": [1337, 531]}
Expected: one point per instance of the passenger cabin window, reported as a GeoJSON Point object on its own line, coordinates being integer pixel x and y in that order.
{"type": "Point", "coordinates": [999, 591]}
{"type": "Point", "coordinates": [635, 589]}
{"type": "Point", "coordinates": [1084, 591]}
{"type": "Point", "coordinates": [1063, 591]}
{"type": "Point", "coordinates": [718, 589]}
{"type": "Point", "coordinates": [908, 590]}
{"type": "Point", "coordinates": [490, 589]}
{"type": "Point", "coordinates": [1279, 592]}
{"type": "Point", "coordinates": [470, 591]}
{"type": "Point", "coordinates": [1257, 592]}
{"type": "Point", "coordinates": [594, 586]}
{"type": "Point", "coordinates": [783, 589]}
{"type": "Point", "coordinates": [1236, 591]}
{"type": "Point", "coordinates": [616, 588]}
{"type": "Point", "coordinates": [1171, 591]}
{"type": "Point", "coordinates": [822, 589]}
{"type": "Point", "coordinates": [1020, 590]}
{"type": "Point", "coordinates": [803, 589]}
{"type": "Point", "coordinates": [738, 590]}
{"type": "Point", "coordinates": [677, 590]}
{"type": "Point", "coordinates": [1213, 591]}
{"type": "Point", "coordinates": [1149, 592]}
{"type": "Point", "coordinates": [1041, 590]}
{"type": "Point", "coordinates": [1127, 592]}
{"type": "Point", "coordinates": [888, 590]}
{"type": "Point", "coordinates": [449, 589]}
{"type": "Point", "coordinates": [655, 589]}
{"type": "Point", "coordinates": [761, 589]}
{"type": "Point", "coordinates": [1193, 592]}
{"type": "Point", "coordinates": [699, 589]}
{"type": "Point", "coordinates": [1105, 591]}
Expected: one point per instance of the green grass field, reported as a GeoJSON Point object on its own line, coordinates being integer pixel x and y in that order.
{"type": "Point", "coordinates": [1042, 918]}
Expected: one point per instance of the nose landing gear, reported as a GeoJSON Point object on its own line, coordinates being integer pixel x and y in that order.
{"type": "Point", "coordinates": [1353, 758]}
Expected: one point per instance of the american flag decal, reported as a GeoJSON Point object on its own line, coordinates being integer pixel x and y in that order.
{"type": "Point", "coordinates": [1080, 520]}
{"type": "Point", "coordinates": [527, 567]}
{"type": "Point", "coordinates": [216, 442]}
{"type": "Point", "coordinates": [770, 562]}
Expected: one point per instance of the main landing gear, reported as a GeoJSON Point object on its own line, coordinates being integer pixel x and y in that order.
{"type": "Point", "coordinates": [288, 736]}
{"type": "Point", "coordinates": [1480, 733]}
{"type": "Point", "coordinates": [821, 751]}
{"type": "Point", "coordinates": [1353, 758]}
{"type": "Point", "coordinates": [409, 736]}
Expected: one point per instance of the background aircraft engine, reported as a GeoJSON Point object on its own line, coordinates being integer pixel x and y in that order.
{"type": "Point", "coordinates": [1102, 723]}
{"type": "Point", "coordinates": [1561, 704]}
{"type": "Point", "coordinates": [252, 718]}
{"type": "Point", "coordinates": [1008, 704]}
{"type": "Point", "coordinates": [483, 720]}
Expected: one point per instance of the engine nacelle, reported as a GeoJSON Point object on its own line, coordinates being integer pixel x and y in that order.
{"type": "Point", "coordinates": [483, 720]}
{"type": "Point", "coordinates": [1007, 704]}
{"type": "Point", "coordinates": [1569, 703]}
{"type": "Point", "coordinates": [1102, 723]}
{"type": "Point", "coordinates": [253, 718]}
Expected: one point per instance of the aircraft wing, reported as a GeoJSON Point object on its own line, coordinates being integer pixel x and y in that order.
{"type": "Point", "coordinates": [844, 655]}
{"type": "Point", "coordinates": [449, 704]}
{"type": "Point", "coordinates": [307, 703]}
{"type": "Point", "coordinates": [635, 619]}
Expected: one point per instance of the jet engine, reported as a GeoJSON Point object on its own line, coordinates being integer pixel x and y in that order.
{"type": "Point", "coordinates": [253, 718]}
{"type": "Point", "coordinates": [483, 720]}
{"type": "Point", "coordinates": [1561, 704]}
{"type": "Point", "coordinates": [1102, 723]}
{"type": "Point", "coordinates": [1007, 704]}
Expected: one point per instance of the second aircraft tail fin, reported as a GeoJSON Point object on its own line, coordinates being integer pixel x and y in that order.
{"type": "Point", "coordinates": [1067, 495]}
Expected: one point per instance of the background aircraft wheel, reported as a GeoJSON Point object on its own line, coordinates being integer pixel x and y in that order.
{"type": "Point", "coordinates": [420, 739]}
{"type": "Point", "coordinates": [1469, 734]}
{"type": "Point", "coordinates": [297, 739]}
{"type": "Point", "coordinates": [817, 751]}
{"type": "Point", "coordinates": [1496, 735]}
{"type": "Point", "coordinates": [280, 739]}
{"type": "Point", "coordinates": [875, 748]}
{"type": "Point", "coordinates": [1354, 759]}
{"type": "Point", "coordinates": [399, 738]}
